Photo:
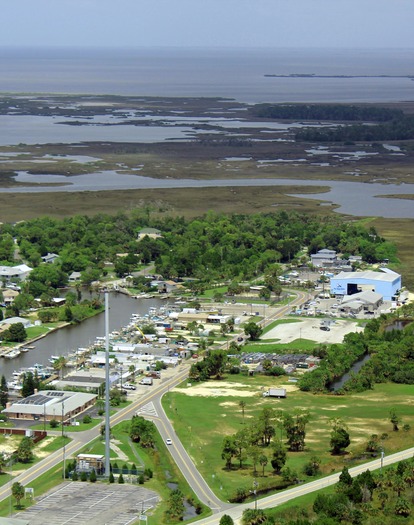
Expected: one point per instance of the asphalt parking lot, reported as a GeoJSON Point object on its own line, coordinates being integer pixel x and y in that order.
{"type": "Point", "coordinates": [90, 504]}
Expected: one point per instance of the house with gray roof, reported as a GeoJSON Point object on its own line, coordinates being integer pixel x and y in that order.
{"type": "Point", "coordinates": [46, 405]}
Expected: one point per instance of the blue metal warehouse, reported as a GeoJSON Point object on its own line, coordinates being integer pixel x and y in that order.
{"type": "Point", "coordinates": [386, 282]}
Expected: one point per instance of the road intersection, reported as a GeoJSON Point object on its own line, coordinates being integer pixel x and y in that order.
{"type": "Point", "coordinates": [149, 406]}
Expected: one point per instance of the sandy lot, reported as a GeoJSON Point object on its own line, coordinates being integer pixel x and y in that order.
{"type": "Point", "coordinates": [225, 389]}
{"type": "Point", "coordinates": [218, 389]}
{"type": "Point", "coordinates": [310, 329]}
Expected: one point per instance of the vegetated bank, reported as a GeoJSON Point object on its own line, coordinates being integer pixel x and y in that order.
{"type": "Point", "coordinates": [389, 345]}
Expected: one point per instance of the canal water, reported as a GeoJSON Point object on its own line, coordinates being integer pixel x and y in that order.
{"type": "Point", "coordinates": [355, 368]}
{"type": "Point", "coordinates": [72, 337]}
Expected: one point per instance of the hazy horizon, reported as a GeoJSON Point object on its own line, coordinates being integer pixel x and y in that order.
{"type": "Point", "coordinates": [356, 24]}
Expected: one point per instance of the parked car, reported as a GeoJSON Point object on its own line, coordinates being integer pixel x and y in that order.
{"type": "Point", "coordinates": [128, 386]}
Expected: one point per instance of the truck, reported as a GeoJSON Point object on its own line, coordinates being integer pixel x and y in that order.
{"type": "Point", "coordinates": [275, 392]}
{"type": "Point", "coordinates": [146, 381]}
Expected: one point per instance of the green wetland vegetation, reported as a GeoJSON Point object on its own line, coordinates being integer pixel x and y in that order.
{"type": "Point", "coordinates": [249, 233]}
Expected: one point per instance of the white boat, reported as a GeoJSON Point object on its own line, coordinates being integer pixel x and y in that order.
{"type": "Point", "coordinates": [14, 385]}
{"type": "Point", "coordinates": [12, 354]}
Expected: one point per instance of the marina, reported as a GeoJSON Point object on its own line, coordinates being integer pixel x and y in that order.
{"type": "Point", "coordinates": [71, 338]}
{"type": "Point", "coordinates": [133, 349]}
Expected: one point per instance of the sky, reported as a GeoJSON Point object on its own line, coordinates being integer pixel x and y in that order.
{"type": "Point", "coordinates": [208, 23]}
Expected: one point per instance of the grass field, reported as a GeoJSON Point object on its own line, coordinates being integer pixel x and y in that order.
{"type": "Point", "coordinates": [203, 419]}
{"type": "Point", "coordinates": [124, 451]}
{"type": "Point", "coordinates": [70, 428]}
{"type": "Point", "coordinates": [41, 450]}
{"type": "Point", "coordinates": [273, 347]}
{"type": "Point", "coordinates": [158, 460]}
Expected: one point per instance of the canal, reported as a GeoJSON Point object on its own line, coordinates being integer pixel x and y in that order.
{"type": "Point", "coordinates": [72, 337]}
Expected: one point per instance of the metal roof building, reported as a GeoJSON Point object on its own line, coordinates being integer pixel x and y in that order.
{"type": "Point", "coordinates": [50, 404]}
{"type": "Point", "coordinates": [386, 283]}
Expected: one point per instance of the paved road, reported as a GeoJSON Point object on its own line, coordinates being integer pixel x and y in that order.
{"type": "Point", "coordinates": [80, 439]}
{"type": "Point", "coordinates": [185, 463]}
{"type": "Point", "coordinates": [156, 413]}
{"type": "Point", "coordinates": [300, 490]}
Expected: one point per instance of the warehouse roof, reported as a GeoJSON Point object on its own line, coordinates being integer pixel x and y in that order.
{"type": "Point", "coordinates": [50, 402]}
{"type": "Point", "coordinates": [369, 275]}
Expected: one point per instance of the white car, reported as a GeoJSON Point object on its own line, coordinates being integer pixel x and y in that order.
{"type": "Point", "coordinates": [128, 386]}
{"type": "Point", "coordinates": [168, 441]}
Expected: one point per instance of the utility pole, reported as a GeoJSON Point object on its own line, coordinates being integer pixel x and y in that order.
{"type": "Point", "coordinates": [63, 439]}
{"type": "Point", "coordinates": [254, 492]}
{"type": "Point", "coordinates": [11, 484]}
{"type": "Point", "coordinates": [107, 430]}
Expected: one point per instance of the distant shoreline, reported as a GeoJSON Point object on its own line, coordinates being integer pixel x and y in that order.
{"type": "Point", "coordinates": [313, 75]}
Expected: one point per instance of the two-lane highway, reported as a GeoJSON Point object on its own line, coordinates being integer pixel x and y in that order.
{"type": "Point", "coordinates": [80, 439]}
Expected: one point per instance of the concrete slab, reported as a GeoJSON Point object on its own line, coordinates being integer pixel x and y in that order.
{"type": "Point", "coordinates": [310, 329]}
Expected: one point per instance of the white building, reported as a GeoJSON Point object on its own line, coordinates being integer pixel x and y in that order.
{"type": "Point", "coordinates": [13, 273]}
{"type": "Point", "coordinates": [386, 283]}
{"type": "Point", "coordinates": [50, 404]}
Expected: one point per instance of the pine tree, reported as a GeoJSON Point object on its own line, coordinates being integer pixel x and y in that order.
{"type": "Point", "coordinates": [4, 392]}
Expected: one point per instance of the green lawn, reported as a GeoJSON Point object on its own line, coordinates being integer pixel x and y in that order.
{"type": "Point", "coordinates": [158, 460]}
{"type": "Point", "coordinates": [42, 449]}
{"type": "Point", "coordinates": [35, 331]}
{"type": "Point", "coordinates": [70, 428]}
{"type": "Point", "coordinates": [202, 421]}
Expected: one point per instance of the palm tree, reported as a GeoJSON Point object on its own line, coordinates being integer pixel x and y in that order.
{"type": "Point", "coordinates": [132, 370]}
{"type": "Point", "coordinates": [242, 405]}
{"type": "Point", "coordinates": [263, 460]}
{"type": "Point", "coordinates": [59, 365]}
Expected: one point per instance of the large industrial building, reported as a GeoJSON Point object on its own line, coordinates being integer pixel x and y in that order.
{"type": "Point", "coordinates": [385, 282]}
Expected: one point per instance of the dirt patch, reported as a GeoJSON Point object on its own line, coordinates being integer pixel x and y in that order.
{"type": "Point", "coordinates": [290, 388]}
{"type": "Point", "coordinates": [228, 404]}
{"type": "Point", "coordinates": [9, 445]}
{"type": "Point", "coordinates": [217, 389]}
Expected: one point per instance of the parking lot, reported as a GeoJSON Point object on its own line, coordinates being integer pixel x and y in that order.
{"type": "Point", "coordinates": [90, 504]}
{"type": "Point", "coordinates": [310, 328]}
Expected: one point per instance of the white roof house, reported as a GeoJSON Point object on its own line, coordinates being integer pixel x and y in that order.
{"type": "Point", "coordinates": [20, 272]}
{"type": "Point", "coordinates": [323, 257]}
{"type": "Point", "coordinates": [14, 320]}
{"type": "Point", "coordinates": [50, 258]}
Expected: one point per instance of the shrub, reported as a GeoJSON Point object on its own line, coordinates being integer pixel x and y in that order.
{"type": "Point", "coordinates": [87, 419]}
